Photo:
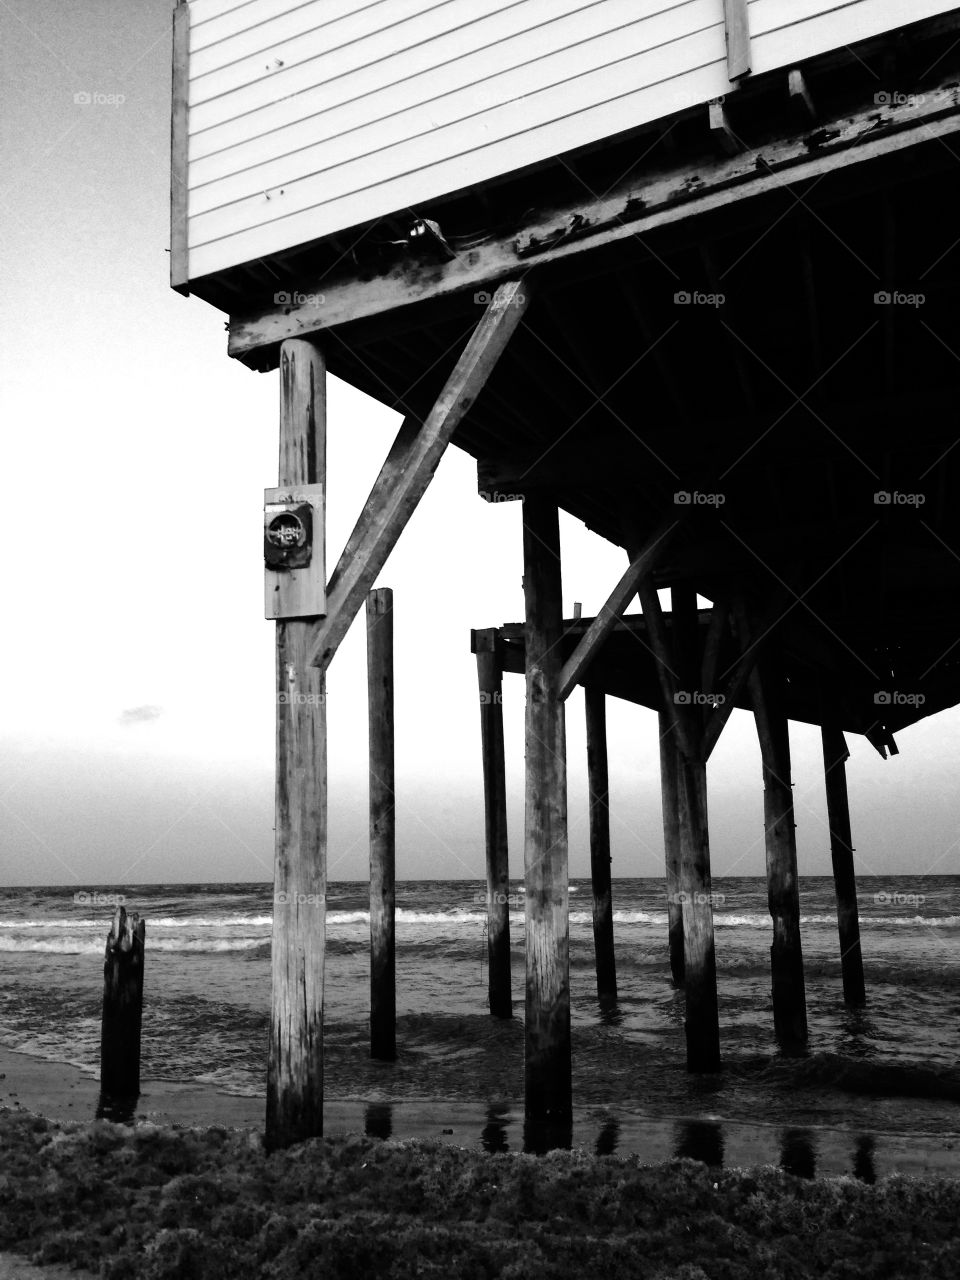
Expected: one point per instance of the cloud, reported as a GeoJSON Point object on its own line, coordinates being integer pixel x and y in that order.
{"type": "Point", "coordinates": [139, 715]}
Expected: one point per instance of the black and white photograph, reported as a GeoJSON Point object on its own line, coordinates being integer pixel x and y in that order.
{"type": "Point", "coordinates": [480, 671]}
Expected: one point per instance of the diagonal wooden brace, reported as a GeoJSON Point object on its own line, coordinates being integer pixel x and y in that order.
{"type": "Point", "coordinates": [409, 468]}
{"type": "Point", "coordinates": [592, 639]}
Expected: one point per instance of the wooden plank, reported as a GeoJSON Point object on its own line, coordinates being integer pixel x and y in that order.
{"type": "Point", "coordinates": [593, 638]}
{"type": "Point", "coordinates": [786, 954]}
{"type": "Point", "coordinates": [547, 1074]}
{"type": "Point", "coordinates": [630, 210]}
{"type": "Point", "coordinates": [384, 167]}
{"type": "Point", "coordinates": [346, 89]}
{"type": "Point", "coordinates": [737, 27]}
{"type": "Point", "coordinates": [490, 681]}
{"type": "Point", "coordinates": [670, 800]}
{"type": "Point", "coordinates": [383, 984]}
{"type": "Point", "coordinates": [599, 808]}
{"type": "Point", "coordinates": [835, 755]}
{"type": "Point", "coordinates": [179, 124]}
{"type": "Point", "coordinates": [295, 1047]}
{"type": "Point", "coordinates": [407, 473]}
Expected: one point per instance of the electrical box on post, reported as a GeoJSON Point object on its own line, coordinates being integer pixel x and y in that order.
{"type": "Point", "coordinates": [295, 584]}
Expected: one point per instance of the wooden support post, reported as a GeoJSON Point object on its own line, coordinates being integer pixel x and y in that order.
{"type": "Point", "coordinates": [599, 789]}
{"type": "Point", "coordinates": [295, 1052]}
{"type": "Point", "coordinates": [547, 1027]}
{"type": "Point", "coordinates": [786, 956]}
{"type": "Point", "coordinates": [835, 755]}
{"type": "Point", "coordinates": [490, 680]}
{"type": "Point", "coordinates": [670, 798]}
{"type": "Point", "coordinates": [383, 983]}
{"type": "Point", "coordinates": [696, 891]}
{"type": "Point", "coordinates": [122, 1007]}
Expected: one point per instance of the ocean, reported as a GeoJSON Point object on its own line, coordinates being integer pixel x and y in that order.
{"type": "Point", "coordinates": [890, 1068]}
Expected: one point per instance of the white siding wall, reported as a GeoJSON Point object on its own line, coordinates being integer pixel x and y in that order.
{"type": "Point", "coordinates": [310, 116]}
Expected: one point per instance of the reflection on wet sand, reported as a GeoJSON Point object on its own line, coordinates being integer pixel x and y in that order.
{"type": "Point", "coordinates": [798, 1153]}
{"type": "Point", "coordinates": [378, 1121]}
{"type": "Point", "coordinates": [541, 1136]}
{"type": "Point", "coordinates": [863, 1166]}
{"type": "Point", "coordinates": [493, 1137]}
{"type": "Point", "coordinates": [119, 1110]}
{"type": "Point", "coordinates": [608, 1138]}
{"type": "Point", "coordinates": [700, 1140]}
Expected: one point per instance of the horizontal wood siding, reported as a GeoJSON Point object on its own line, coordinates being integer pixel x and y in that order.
{"type": "Point", "coordinates": [785, 32]}
{"type": "Point", "coordinates": [307, 117]}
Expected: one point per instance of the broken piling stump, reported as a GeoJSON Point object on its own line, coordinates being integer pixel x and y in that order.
{"type": "Point", "coordinates": [122, 1006]}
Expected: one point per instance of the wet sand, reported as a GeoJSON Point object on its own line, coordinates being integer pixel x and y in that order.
{"type": "Point", "coordinates": [427, 1188]}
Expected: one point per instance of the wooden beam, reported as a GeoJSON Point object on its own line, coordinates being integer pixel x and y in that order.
{"type": "Point", "coordinates": [383, 896]}
{"type": "Point", "coordinates": [670, 799]}
{"type": "Point", "coordinates": [490, 680]}
{"type": "Point", "coordinates": [630, 210]}
{"type": "Point", "coordinates": [737, 26]}
{"type": "Point", "coordinates": [593, 638]}
{"type": "Point", "coordinates": [548, 1097]}
{"type": "Point", "coordinates": [295, 1048]}
{"type": "Point", "coordinates": [723, 136]}
{"type": "Point", "coordinates": [799, 95]}
{"type": "Point", "coordinates": [599, 805]}
{"type": "Point", "coordinates": [835, 755]}
{"type": "Point", "coordinates": [711, 645]}
{"type": "Point", "coordinates": [752, 642]}
{"type": "Point", "coordinates": [767, 688]}
{"type": "Point", "coordinates": [409, 469]}
{"type": "Point", "coordinates": [179, 258]}
{"type": "Point", "coordinates": [687, 739]}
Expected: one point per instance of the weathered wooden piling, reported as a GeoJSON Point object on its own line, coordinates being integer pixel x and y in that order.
{"type": "Point", "coordinates": [670, 801]}
{"type": "Point", "coordinates": [835, 756]}
{"type": "Point", "coordinates": [696, 891]}
{"type": "Point", "coordinates": [678, 666]}
{"type": "Point", "coordinates": [295, 1049]}
{"type": "Point", "coordinates": [548, 1097]}
{"type": "Point", "coordinates": [599, 793]}
{"type": "Point", "coordinates": [122, 1006]}
{"type": "Point", "coordinates": [783, 893]}
{"type": "Point", "coordinates": [383, 989]}
{"type": "Point", "coordinates": [490, 682]}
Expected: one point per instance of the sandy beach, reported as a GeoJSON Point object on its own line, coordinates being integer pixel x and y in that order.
{"type": "Point", "coordinates": [188, 1190]}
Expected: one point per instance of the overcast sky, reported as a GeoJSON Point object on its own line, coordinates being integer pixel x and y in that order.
{"type": "Point", "coordinates": [136, 669]}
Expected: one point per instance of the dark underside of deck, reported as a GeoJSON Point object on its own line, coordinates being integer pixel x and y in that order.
{"type": "Point", "coordinates": [803, 427]}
